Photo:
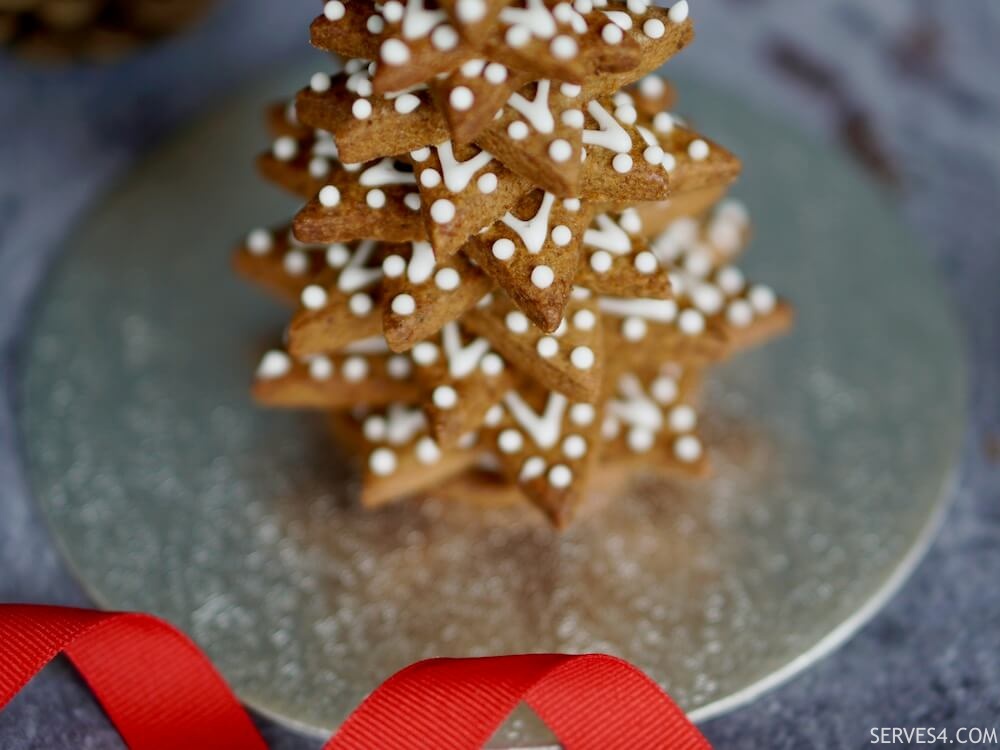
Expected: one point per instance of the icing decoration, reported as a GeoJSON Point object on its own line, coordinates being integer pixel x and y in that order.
{"type": "Point", "coordinates": [458, 174]}
{"type": "Point", "coordinates": [544, 428]}
{"type": "Point", "coordinates": [611, 134]}
{"type": "Point", "coordinates": [534, 230]}
{"type": "Point", "coordinates": [537, 110]}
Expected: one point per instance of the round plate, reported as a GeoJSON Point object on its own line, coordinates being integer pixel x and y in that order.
{"type": "Point", "coordinates": [170, 492]}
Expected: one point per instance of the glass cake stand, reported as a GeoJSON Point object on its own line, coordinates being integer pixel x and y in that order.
{"type": "Point", "coordinates": [168, 491]}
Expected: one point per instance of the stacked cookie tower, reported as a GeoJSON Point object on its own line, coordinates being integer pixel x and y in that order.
{"type": "Point", "coordinates": [514, 266]}
{"type": "Point", "coordinates": [90, 28]}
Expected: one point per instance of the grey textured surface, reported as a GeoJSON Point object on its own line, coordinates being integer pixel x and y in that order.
{"type": "Point", "coordinates": [912, 85]}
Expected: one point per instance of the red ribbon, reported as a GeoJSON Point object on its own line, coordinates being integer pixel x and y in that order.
{"type": "Point", "coordinates": [162, 693]}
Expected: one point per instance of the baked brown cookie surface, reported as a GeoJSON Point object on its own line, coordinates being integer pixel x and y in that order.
{"type": "Point", "coordinates": [515, 262]}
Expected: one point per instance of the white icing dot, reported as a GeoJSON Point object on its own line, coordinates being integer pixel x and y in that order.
{"type": "Point", "coordinates": [427, 451]}
{"type": "Point", "coordinates": [634, 329]}
{"type": "Point", "coordinates": [510, 441]}
{"type": "Point", "coordinates": [622, 163]}
{"type": "Point", "coordinates": [319, 167]}
{"type": "Point", "coordinates": [582, 358]}
{"type": "Point", "coordinates": [612, 34]}
{"type": "Point", "coordinates": [679, 12]}
{"type": "Point", "coordinates": [664, 390]}
{"type": "Point", "coordinates": [495, 73]}
{"type": "Point", "coordinates": [374, 428]}
{"type": "Point", "coordinates": [320, 368]}
{"type": "Point", "coordinates": [653, 155]}
{"type": "Point", "coordinates": [561, 329]}
{"type": "Point", "coordinates": [412, 201]}
{"type": "Point", "coordinates": [394, 266]}
{"type": "Point", "coordinates": [425, 353]}
{"type": "Point", "coordinates": [361, 109]}
{"type": "Point", "coordinates": [494, 416]}
{"type": "Point", "coordinates": [375, 24]}
{"type": "Point", "coordinates": [663, 122]}
{"type": "Point", "coordinates": [542, 277]}
{"type": "Point", "coordinates": [334, 10]}
{"type": "Point", "coordinates": [398, 367]}
{"type": "Point", "coordinates": [273, 365]}
{"type": "Point", "coordinates": [763, 299]}
{"type": "Point", "coordinates": [517, 36]}
{"type": "Point", "coordinates": [584, 320]}
{"type": "Point", "coordinates": [295, 263]}
{"type": "Point", "coordinates": [572, 204]}
{"type": "Point", "coordinates": [561, 235]}
{"type": "Point", "coordinates": [640, 439]}
{"type": "Point", "coordinates": [314, 297]}
{"type": "Point", "coordinates": [447, 279]}
{"type": "Point", "coordinates": [461, 98]}
{"type": "Point", "coordinates": [393, 11]}
{"type": "Point", "coordinates": [487, 183]}
{"type": "Point", "coordinates": [682, 418]}
{"type": "Point", "coordinates": [707, 298]}
{"type": "Point", "coordinates": [470, 11]}
{"type": "Point", "coordinates": [430, 178]}
{"type": "Point", "coordinates": [355, 369]}
{"type": "Point", "coordinates": [503, 249]}
{"type": "Point", "coordinates": [492, 365]}
{"type": "Point", "coordinates": [285, 148]}
{"type": "Point", "coordinates": [547, 347]}
{"type": "Point", "coordinates": [320, 83]}
{"type": "Point", "coordinates": [601, 261]}
{"type": "Point", "coordinates": [560, 150]}
{"type": "Point", "coordinates": [337, 255]}
{"type": "Point", "coordinates": [517, 322]}
{"type": "Point", "coordinates": [653, 28]}
{"type": "Point", "coordinates": [651, 86]}
{"type": "Point", "coordinates": [360, 304]}
{"type": "Point", "coordinates": [691, 322]}
{"type": "Point", "coordinates": [375, 198]}
{"type": "Point", "coordinates": [688, 449]}
{"type": "Point", "coordinates": [406, 103]}
{"type": "Point", "coordinates": [698, 150]}
{"type": "Point", "coordinates": [739, 313]}
{"type": "Point", "coordinates": [445, 397]}
{"type": "Point", "coordinates": [573, 118]}
{"type": "Point", "coordinates": [444, 38]}
{"type": "Point", "coordinates": [563, 47]}
{"type": "Point", "coordinates": [626, 113]}
{"type": "Point", "coordinates": [645, 262]}
{"type": "Point", "coordinates": [570, 90]}
{"type": "Point", "coordinates": [329, 197]}
{"type": "Point", "coordinates": [260, 242]}
{"type": "Point", "coordinates": [382, 462]}
{"type": "Point", "coordinates": [394, 52]}
{"type": "Point", "coordinates": [560, 476]}
{"type": "Point", "coordinates": [404, 304]}
{"type": "Point", "coordinates": [582, 415]}
{"type": "Point", "coordinates": [421, 154]}
{"type": "Point", "coordinates": [518, 130]}
{"type": "Point", "coordinates": [472, 68]}
{"type": "Point", "coordinates": [442, 211]}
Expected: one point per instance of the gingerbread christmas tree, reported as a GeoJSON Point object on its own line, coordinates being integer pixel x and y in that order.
{"type": "Point", "coordinates": [514, 264]}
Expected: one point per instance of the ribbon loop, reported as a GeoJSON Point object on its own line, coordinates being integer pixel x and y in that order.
{"type": "Point", "coordinates": [162, 693]}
